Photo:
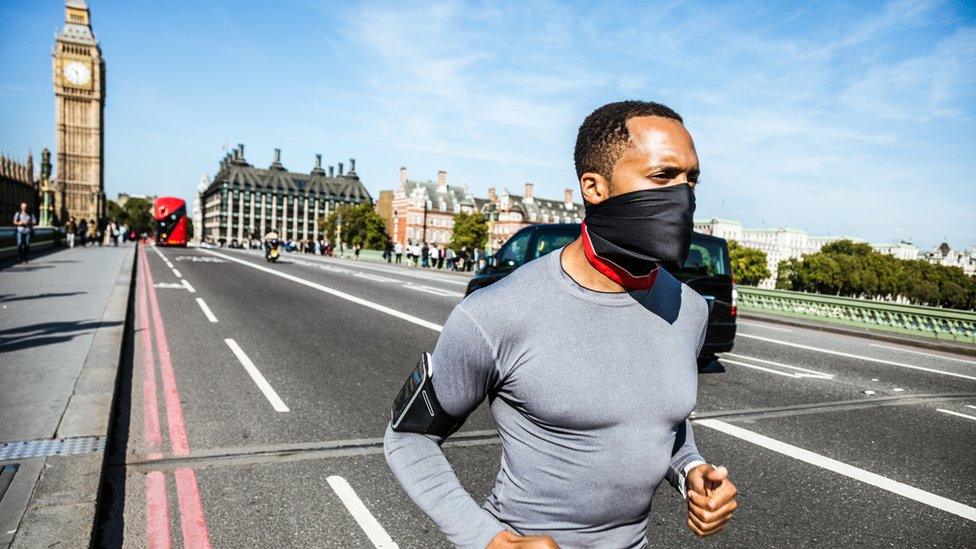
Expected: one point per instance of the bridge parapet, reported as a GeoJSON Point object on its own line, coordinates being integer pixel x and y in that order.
{"type": "Point", "coordinates": [933, 322]}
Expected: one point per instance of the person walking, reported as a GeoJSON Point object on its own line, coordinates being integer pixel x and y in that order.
{"type": "Point", "coordinates": [388, 251]}
{"type": "Point", "coordinates": [24, 221]}
{"type": "Point", "coordinates": [441, 252]}
{"type": "Point", "coordinates": [70, 229]}
{"type": "Point", "coordinates": [449, 259]}
{"type": "Point", "coordinates": [434, 256]}
{"type": "Point", "coordinates": [356, 248]}
{"type": "Point", "coordinates": [425, 256]}
{"type": "Point", "coordinates": [83, 233]}
{"type": "Point", "coordinates": [92, 233]}
{"type": "Point", "coordinates": [398, 252]}
{"type": "Point", "coordinates": [415, 250]}
{"type": "Point", "coordinates": [587, 357]}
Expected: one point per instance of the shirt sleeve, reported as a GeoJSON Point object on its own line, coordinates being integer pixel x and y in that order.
{"type": "Point", "coordinates": [684, 457]}
{"type": "Point", "coordinates": [463, 373]}
{"type": "Point", "coordinates": [684, 454]}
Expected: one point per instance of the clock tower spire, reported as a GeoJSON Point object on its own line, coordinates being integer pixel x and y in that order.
{"type": "Point", "coordinates": [79, 100]}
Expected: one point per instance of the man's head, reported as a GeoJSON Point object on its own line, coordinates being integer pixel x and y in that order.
{"type": "Point", "coordinates": [23, 206]}
{"type": "Point", "coordinates": [633, 145]}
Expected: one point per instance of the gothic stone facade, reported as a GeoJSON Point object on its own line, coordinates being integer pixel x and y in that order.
{"type": "Point", "coordinates": [244, 201]}
{"type": "Point", "coordinates": [79, 92]}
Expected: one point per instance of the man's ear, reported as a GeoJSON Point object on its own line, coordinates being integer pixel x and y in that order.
{"type": "Point", "coordinates": [595, 187]}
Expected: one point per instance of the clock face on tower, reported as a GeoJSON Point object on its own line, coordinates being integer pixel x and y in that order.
{"type": "Point", "coordinates": [77, 73]}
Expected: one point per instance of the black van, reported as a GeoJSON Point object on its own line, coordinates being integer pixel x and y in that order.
{"type": "Point", "coordinates": [707, 270]}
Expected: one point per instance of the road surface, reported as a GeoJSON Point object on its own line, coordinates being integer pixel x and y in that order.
{"type": "Point", "coordinates": [259, 395]}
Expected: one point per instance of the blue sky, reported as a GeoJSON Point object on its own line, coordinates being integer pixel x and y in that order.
{"type": "Point", "coordinates": [839, 118]}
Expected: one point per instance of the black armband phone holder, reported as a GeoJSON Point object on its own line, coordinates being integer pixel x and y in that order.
{"type": "Point", "coordinates": [415, 408]}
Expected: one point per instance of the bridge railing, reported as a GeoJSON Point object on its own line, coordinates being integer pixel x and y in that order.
{"type": "Point", "coordinates": [934, 322]}
{"type": "Point", "coordinates": [43, 237]}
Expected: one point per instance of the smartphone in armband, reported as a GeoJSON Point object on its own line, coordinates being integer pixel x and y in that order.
{"type": "Point", "coordinates": [416, 409]}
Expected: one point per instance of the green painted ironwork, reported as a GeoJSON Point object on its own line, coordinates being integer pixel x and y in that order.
{"type": "Point", "coordinates": [934, 322]}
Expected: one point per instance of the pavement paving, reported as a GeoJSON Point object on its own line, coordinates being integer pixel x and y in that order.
{"type": "Point", "coordinates": [257, 392]}
{"type": "Point", "coordinates": [62, 322]}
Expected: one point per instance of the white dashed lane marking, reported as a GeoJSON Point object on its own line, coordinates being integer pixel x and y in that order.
{"type": "Point", "coordinates": [206, 310]}
{"type": "Point", "coordinates": [259, 380]}
{"type": "Point", "coordinates": [374, 531]}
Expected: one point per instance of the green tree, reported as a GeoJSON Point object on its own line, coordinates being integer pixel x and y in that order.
{"type": "Point", "coordinates": [847, 247]}
{"type": "Point", "coordinates": [748, 264]}
{"type": "Point", "coordinates": [470, 231]}
{"type": "Point", "coordinates": [358, 224]}
{"type": "Point", "coordinates": [137, 214]}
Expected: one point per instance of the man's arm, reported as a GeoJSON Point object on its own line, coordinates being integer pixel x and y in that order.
{"type": "Point", "coordinates": [463, 371]}
{"type": "Point", "coordinates": [709, 492]}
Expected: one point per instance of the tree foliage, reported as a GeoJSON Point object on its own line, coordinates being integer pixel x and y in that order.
{"type": "Point", "coordinates": [748, 264]}
{"type": "Point", "coordinates": [358, 224]}
{"type": "Point", "coordinates": [855, 270]}
{"type": "Point", "coordinates": [470, 231]}
{"type": "Point", "coordinates": [136, 213]}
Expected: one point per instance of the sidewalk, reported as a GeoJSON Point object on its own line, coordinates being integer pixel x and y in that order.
{"type": "Point", "coordinates": [62, 321]}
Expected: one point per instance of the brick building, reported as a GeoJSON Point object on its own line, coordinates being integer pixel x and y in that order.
{"type": "Point", "coordinates": [423, 211]}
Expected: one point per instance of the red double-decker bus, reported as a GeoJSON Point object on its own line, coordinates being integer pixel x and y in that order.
{"type": "Point", "coordinates": [170, 215]}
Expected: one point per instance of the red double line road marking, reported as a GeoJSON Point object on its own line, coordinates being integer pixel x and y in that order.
{"type": "Point", "coordinates": [192, 518]}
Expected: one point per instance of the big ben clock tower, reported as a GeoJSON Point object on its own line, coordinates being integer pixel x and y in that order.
{"type": "Point", "coordinates": [79, 99]}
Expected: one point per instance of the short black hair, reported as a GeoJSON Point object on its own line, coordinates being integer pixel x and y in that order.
{"type": "Point", "coordinates": [603, 136]}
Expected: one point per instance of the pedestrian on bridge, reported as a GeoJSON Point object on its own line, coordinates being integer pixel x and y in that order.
{"type": "Point", "coordinates": [24, 221]}
{"type": "Point", "coordinates": [587, 357]}
{"type": "Point", "coordinates": [398, 251]}
{"type": "Point", "coordinates": [70, 229]}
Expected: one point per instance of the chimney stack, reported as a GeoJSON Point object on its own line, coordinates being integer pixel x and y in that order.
{"type": "Point", "coordinates": [340, 169]}
{"type": "Point", "coordinates": [352, 166]}
{"type": "Point", "coordinates": [441, 181]}
{"type": "Point", "coordinates": [331, 171]}
{"type": "Point", "coordinates": [529, 187]}
{"type": "Point", "coordinates": [240, 151]}
{"type": "Point", "coordinates": [492, 197]}
{"type": "Point", "coordinates": [568, 196]}
{"type": "Point", "coordinates": [403, 175]}
{"type": "Point", "coordinates": [317, 170]}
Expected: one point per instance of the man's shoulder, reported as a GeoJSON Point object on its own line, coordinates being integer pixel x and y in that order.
{"type": "Point", "coordinates": [510, 294]}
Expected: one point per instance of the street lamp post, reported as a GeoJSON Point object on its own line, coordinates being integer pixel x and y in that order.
{"type": "Point", "coordinates": [491, 216]}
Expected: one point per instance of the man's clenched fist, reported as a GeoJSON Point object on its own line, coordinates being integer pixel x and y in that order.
{"type": "Point", "coordinates": [508, 540]}
{"type": "Point", "coordinates": [711, 499]}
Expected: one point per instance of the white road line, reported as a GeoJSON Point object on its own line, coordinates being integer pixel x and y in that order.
{"type": "Point", "coordinates": [206, 310]}
{"type": "Point", "coordinates": [188, 287]}
{"type": "Point", "coordinates": [374, 531]}
{"type": "Point", "coordinates": [967, 416]}
{"type": "Point", "coordinates": [375, 278]}
{"type": "Point", "coordinates": [177, 273]}
{"type": "Point", "coordinates": [753, 366]}
{"type": "Point", "coordinates": [435, 291]}
{"type": "Point", "coordinates": [255, 374]}
{"type": "Point", "coordinates": [809, 373]}
{"type": "Point", "coordinates": [761, 325]}
{"type": "Point", "coordinates": [856, 473]}
{"type": "Point", "coordinates": [331, 291]}
{"type": "Point", "coordinates": [971, 406]}
{"type": "Point", "coordinates": [858, 357]}
{"type": "Point", "coordinates": [964, 361]}
{"type": "Point", "coordinates": [430, 275]}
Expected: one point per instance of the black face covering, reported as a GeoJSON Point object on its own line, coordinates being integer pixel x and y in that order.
{"type": "Point", "coordinates": [637, 231]}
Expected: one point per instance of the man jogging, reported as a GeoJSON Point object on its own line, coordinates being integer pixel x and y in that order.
{"type": "Point", "coordinates": [588, 359]}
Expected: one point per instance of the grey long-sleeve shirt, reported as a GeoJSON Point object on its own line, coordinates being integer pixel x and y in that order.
{"type": "Point", "coordinates": [590, 393]}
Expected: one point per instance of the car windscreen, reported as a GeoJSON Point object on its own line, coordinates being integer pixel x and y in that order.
{"type": "Point", "coordinates": [546, 242]}
{"type": "Point", "coordinates": [707, 257]}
